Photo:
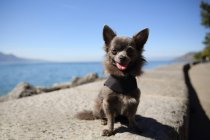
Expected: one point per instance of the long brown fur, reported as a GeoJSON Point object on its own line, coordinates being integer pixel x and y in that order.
{"type": "Point", "coordinates": [85, 115]}
{"type": "Point", "coordinates": [123, 59]}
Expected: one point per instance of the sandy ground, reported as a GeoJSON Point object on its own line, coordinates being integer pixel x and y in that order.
{"type": "Point", "coordinates": [162, 112]}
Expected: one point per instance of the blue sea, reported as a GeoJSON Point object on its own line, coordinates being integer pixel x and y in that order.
{"type": "Point", "coordinates": [46, 74]}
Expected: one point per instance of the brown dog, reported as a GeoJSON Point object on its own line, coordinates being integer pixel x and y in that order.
{"type": "Point", "coordinates": [120, 94]}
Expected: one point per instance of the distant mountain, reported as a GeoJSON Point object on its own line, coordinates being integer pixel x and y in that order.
{"type": "Point", "coordinates": [4, 58]}
{"type": "Point", "coordinates": [188, 57]}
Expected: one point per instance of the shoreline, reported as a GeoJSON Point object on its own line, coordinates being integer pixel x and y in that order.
{"type": "Point", "coordinates": [47, 84]}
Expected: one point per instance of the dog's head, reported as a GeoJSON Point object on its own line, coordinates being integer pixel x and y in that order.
{"type": "Point", "coordinates": [124, 54]}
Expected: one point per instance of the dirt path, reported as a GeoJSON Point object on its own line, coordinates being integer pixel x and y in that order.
{"type": "Point", "coordinates": [199, 88]}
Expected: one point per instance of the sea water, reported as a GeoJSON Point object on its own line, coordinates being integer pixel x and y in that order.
{"type": "Point", "coordinates": [47, 74]}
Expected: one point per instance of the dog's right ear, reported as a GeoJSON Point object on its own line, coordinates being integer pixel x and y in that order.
{"type": "Point", "coordinates": [108, 34]}
{"type": "Point", "coordinates": [141, 38]}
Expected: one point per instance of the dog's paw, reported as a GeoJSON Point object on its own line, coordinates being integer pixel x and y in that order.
{"type": "Point", "coordinates": [103, 122]}
{"type": "Point", "coordinates": [106, 132]}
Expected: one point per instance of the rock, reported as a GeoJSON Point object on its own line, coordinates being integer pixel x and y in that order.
{"type": "Point", "coordinates": [63, 84]}
{"type": "Point", "coordinates": [83, 80]}
{"type": "Point", "coordinates": [3, 98]}
{"type": "Point", "coordinates": [76, 81]}
{"type": "Point", "coordinates": [25, 89]}
{"type": "Point", "coordinates": [21, 90]}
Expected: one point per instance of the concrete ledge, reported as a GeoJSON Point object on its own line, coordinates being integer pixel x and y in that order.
{"type": "Point", "coordinates": [163, 111]}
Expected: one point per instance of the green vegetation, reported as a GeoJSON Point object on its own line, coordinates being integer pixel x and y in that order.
{"type": "Point", "coordinates": [205, 21]}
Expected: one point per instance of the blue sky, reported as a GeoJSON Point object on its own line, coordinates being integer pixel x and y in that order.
{"type": "Point", "coordinates": [71, 30]}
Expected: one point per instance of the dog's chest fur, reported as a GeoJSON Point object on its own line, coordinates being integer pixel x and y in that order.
{"type": "Point", "coordinates": [122, 103]}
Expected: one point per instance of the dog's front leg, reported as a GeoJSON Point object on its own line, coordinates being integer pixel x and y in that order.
{"type": "Point", "coordinates": [110, 126]}
{"type": "Point", "coordinates": [110, 119]}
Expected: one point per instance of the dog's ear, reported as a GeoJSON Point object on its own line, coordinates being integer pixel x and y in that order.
{"type": "Point", "coordinates": [141, 38]}
{"type": "Point", "coordinates": [108, 34]}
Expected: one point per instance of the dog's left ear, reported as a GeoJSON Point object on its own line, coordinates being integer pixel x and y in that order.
{"type": "Point", "coordinates": [141, 38]}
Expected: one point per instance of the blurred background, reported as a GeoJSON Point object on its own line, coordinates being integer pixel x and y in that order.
{"type": "Point", "coordinates": [49, 41]}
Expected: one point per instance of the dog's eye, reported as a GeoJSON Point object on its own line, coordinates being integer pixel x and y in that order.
{"type": "Point", "coordinates": [129, 51]}
{"type": "Point", "coordinates": [114, 52]}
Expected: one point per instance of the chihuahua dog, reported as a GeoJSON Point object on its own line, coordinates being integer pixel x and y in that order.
{"type": "Point", "coordinates": [120, 94]}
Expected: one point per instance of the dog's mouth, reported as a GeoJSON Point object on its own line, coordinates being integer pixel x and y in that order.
{"type": "Point", "coordinates": [121, 66]}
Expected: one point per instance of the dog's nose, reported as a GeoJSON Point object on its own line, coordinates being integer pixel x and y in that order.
{"type": "Point", "coordinates": [122, 58]}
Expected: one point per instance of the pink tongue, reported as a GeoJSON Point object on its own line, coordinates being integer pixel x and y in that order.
{"type": "Point", "coordinates": [121, 67]}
